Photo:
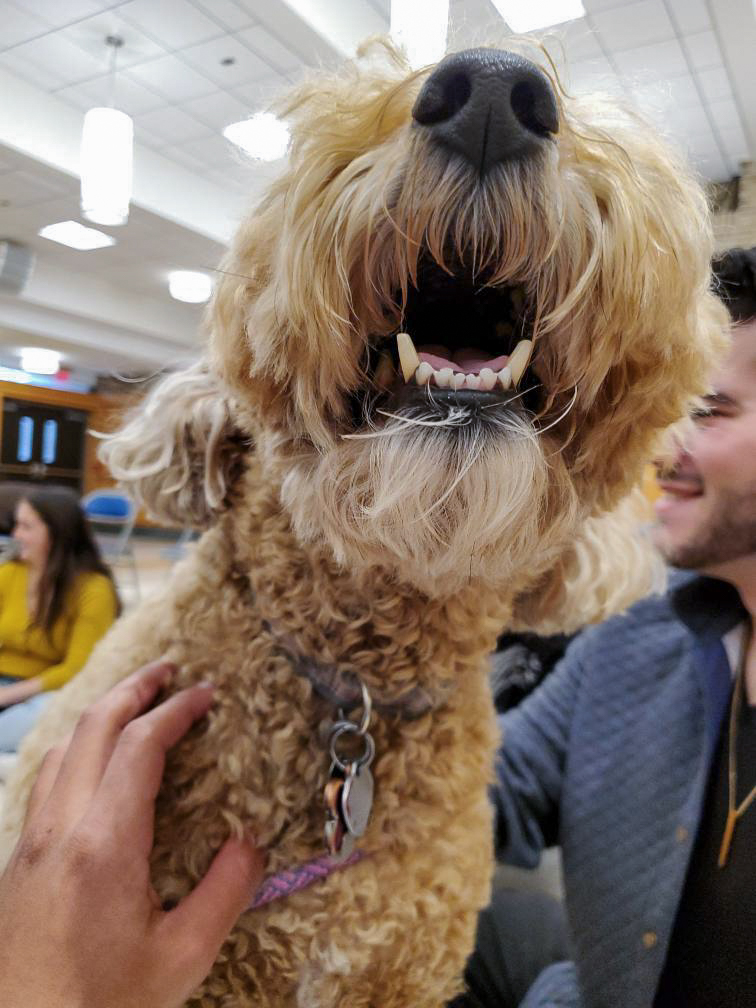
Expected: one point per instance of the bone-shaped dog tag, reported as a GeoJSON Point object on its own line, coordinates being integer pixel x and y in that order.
{"type": "Point", "coordinates": [356, 799]}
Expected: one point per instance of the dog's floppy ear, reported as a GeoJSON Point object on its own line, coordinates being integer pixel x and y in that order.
{"type": "Point", "coordinates": [611, 564]}
{"type": "Point", "coordinates": [179, 452]}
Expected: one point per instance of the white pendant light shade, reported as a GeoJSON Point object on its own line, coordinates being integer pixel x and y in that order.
{"type": "Point", "coordinates": [107, 157]}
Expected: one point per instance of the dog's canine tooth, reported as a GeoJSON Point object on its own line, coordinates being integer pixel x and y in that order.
{"type": "Point", "coordinates": [457, 380]}
{"type": "Point", "coordinates": [472, 381]}
{"type": "Point", "coordinates": [487, 379]}
{"type": "Point", "coordinates": [407, 355]}
{"type": "Point", "coordinates": [423, 373]}
{"type": "Point", "coordinates": [444, 377]}
{"type": "Point", "coordinates": [518, 361]}
{"type": "Point", "coordinates": [504, 377]}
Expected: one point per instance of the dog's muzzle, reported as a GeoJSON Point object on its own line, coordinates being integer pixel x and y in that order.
{"type": "Point", "coordinates": [488, 105]}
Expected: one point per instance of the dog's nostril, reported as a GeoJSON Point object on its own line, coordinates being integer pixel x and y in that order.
{"type": "Point", "coordinates": [443, 99]}
{"type": "Point", "coordinates": [489, 106]}
{"type": "Point", "coordinates": [532, 111]}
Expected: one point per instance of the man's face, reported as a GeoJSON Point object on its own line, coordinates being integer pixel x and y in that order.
{"type": "Point", "coordinates": [707, 511]}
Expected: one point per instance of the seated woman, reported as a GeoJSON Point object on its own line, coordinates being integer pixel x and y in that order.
{"type": "Point", "coordinates": [56, 601]}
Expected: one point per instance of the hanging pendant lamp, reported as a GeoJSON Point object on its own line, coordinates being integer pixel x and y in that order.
{"type": "Point", "coordinates": [107, 158]}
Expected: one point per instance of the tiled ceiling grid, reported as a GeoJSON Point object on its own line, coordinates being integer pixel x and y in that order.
{"type": "Point", "coordinates": [173, 80]}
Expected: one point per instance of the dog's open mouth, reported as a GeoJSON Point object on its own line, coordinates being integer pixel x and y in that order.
{"type": "Point", "coordinates": [461, 342]}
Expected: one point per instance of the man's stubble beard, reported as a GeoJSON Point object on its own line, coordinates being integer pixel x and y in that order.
{"type": "Point", "coordinates": [730, 533]}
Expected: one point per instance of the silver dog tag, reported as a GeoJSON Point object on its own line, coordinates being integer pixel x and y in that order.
{"type": "Point", "coordinates": [357, 799]}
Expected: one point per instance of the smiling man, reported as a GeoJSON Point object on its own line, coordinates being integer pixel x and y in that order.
{"type": "Point", "coordinates": [637, 755]}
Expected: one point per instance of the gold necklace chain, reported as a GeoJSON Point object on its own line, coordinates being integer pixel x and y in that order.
{"type": "Point", "coordinates": [734, 812]}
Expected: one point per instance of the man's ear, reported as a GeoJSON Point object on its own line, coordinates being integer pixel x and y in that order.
{"type": "Point", "coordinates": [180, 452]}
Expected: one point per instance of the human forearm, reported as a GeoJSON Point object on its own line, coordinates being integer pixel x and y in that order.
{"type": "Point", "coordinates": [19, 691]}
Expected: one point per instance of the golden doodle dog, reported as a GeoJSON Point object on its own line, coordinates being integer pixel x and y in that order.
{"type": "Point", "coordinates": [442, 348]}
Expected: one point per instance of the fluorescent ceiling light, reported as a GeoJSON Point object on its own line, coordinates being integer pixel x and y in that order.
{"type": "Point", "coordinates": [35, 360]}
{"type": "Point", "coordinates": [525, 17]}
{"type": "Point", "coordinates": [421, 28]}
{"type": "Point", "coordinates": [107, 158]}
{"type": "Point", "coordinates": [185, 285]}
{"type": "Point", "coordinates": [76, 236]}
{"type": "Point", "coordinates": [262, 136]}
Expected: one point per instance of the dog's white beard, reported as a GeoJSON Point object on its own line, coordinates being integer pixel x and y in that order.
{"type": "Point", "coordinates": [439, 506]}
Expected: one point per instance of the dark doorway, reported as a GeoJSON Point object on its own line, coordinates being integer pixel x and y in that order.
{"type": "Point", "coordinates": [43, 444]}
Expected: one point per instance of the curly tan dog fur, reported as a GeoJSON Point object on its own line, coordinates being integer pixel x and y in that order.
{"type": "Point", "coordinates": [390, 536]}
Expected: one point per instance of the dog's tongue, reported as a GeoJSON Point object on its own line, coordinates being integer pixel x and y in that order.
{"type": "Point", "coordinates": [469, 360]}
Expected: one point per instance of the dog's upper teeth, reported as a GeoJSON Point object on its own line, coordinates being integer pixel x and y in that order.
{"type": "Point", "coordinates": [407, 355]}
{"type": "Point", "coordinates": [518, 361]}
{"type": "Point", "coordinates": [487, 379]}
{"type": "Point", "coordinates": [423, 374]}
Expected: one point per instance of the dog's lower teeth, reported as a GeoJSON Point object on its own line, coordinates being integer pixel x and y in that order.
{"type": "Point", "coordinates": [504, 377]}
{"type": "Point", "coordinates": [444, 377]}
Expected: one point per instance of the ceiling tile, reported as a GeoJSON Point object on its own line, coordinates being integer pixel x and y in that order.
{"type": "Point", "coordinates": [214, 152]}
{"type": "Point", "coordinates": [690, 15]}
{"type": "Point", "coordinates": [270, 49]}
{"type": "Point", "coordinates": [91, 33]}
{"type": "Point", "coordinates": [218, 110]}
{"type": "Point", "coordinates": [130, 96]}
{"type": "Point", "coordinates": [57, 13]}
{"type": "Point", "coordinates": [703, 50]}
{"type": "Point", "coordinates": [735, 144]}
{"type": "Point", "coordinates": [634, 24]}
{"type": "Point", "coordinates": [263, 93]}
{"type": "Point", "coordinates": [227, 13]}
{"type": "Point", "coordinates": [664, 96]}
{"type": "Point", "coordinates": [173, 23]}
{"type": "Point", "coordinates": [42, 77]}
{"type": "Point", "coordinates": [57, 57]}
{"type": "Point", "coordinates": [592, 75]}
{"type": "Point", "coordinates": [652, 62]}
{"type": "Point", "coordinates": [19, 25]}
{"type": "Point", "coordinates": [715, 83]}
{"type": "Point", "coordinates": [172, 78]}
{"type": "Point", "coordinates": [690, 122]}
{"type": "Point", "coordinates": [725, 114]}
{"type": "Point", "coordinates": [207, 56]}
{"type": "Point", "coordinates": [172, 126]}
{"type": "Point", "coordinates": [711, 165]}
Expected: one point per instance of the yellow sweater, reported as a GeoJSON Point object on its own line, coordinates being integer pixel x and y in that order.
{"type": "Point", "coordinates": [26, 651]}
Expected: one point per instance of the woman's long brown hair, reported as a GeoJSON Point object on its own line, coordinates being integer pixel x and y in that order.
{"type": "Point", "coordinates": [73, 551]}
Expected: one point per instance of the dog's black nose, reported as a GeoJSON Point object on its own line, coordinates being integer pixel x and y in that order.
{"type": "Point", "coordinates": [488, 105]}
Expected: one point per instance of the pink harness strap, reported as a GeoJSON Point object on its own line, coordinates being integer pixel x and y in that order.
{"type": "Point", "coordinates": [293, 879]}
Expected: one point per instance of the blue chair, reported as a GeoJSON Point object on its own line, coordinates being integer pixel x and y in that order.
{"type": "Point", "coordinates": [112, 516]}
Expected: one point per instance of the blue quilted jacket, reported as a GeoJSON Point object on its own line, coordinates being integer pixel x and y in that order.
{"type": "Point", "coordinates": [609, 758]}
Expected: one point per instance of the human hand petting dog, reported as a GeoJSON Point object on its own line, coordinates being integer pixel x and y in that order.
{"type": "Point", "coordinates": [80, 924]}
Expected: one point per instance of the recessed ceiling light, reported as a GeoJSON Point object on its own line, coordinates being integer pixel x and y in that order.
{"type": "Point", "coordinates": [262, 136]}
{"type": "Point", "coordinates": [36, 360]}
{"type": "Point", "coordinates": [525, 17]}
{"type": "Point", "coordinates": [76, 236]}
{"type": "Point", "coordinates": [186, 285]}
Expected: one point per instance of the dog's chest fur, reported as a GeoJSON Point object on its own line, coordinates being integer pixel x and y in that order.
{"type": "Point", "coordinates": [260, 761]}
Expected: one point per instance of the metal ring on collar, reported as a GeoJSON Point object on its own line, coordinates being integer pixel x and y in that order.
{"type": "Point", "coordinates": [346, 727]}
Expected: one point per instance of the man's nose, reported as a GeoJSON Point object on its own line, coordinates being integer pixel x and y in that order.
{"type": "Point", "coordinates": [488, 105]}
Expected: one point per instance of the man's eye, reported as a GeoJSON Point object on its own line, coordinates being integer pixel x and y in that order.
{"type": "Point", "coordinates": [704, 412]}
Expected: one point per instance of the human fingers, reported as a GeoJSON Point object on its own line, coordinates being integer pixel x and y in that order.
{"type": "Point", "coordinates": [48, 773]}
{"type": "Point", "coordinates": [126, 797]}
{"type": "Point", "coordinates": [97, 732]}
{"type": "Point", "coordinates": [194, 932]}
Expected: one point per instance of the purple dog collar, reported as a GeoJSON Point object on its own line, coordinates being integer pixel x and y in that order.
{"type": "Point", "coordinates": [293, 879]}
